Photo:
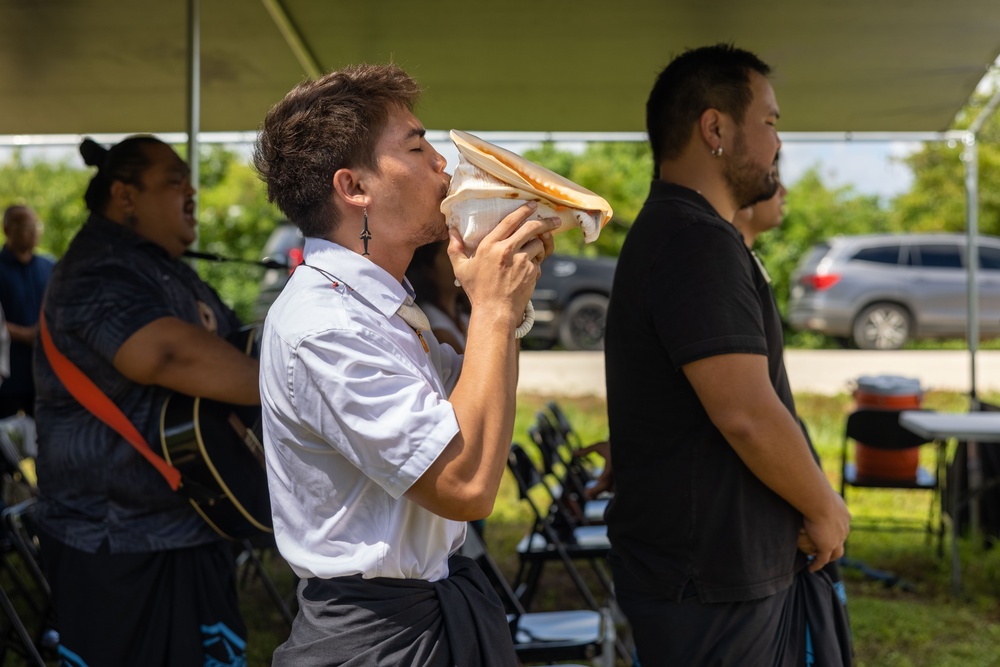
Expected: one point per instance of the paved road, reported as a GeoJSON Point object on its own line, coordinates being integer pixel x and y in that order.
{"type": "Point", "coordinates": [819, 371]}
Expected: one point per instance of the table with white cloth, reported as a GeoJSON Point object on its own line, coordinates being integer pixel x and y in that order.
{"type": "Point", "coordinates": [974, 428]}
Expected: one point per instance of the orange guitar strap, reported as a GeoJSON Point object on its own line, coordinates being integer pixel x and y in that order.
{"type": "Point", "coordinates": [91, 397]}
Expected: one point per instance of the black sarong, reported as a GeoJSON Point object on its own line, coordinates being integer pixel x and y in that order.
{"type": "Point", "coordinates": [823, 601]}
{"type": "Point", "coordinates": [356, 622]}
{"type": "Point", "coordinates": [805, 625]}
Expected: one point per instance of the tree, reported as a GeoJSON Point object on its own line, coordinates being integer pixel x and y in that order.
{"type": "Point", "coordinates": [937, 200]}
{"type": "Point", "coordinates": [234, 216]}
{"type": "Point", "coordinates": [235, 220]}
{"type": "Point", "coordinates": [53, 189]}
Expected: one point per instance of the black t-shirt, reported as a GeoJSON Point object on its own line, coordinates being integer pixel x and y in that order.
{"type": "Point", "coordinates": [94, 486]}
{"type": "Point", "coordinates": [686, 508]}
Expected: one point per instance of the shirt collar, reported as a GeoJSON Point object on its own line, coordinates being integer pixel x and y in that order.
{"type": "Point", "coordinates": [372, 283]}
{"type": "Point", "coordinates": [661, 191]}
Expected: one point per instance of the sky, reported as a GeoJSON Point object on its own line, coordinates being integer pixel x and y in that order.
{"type": "Point", "coordinates": [873, 168]}
{"type": "Point", "coordinates": [869, 167]}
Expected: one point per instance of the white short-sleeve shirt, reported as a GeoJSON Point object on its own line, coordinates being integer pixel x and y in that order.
{"type": "Point", "coordinates": [354, 411]}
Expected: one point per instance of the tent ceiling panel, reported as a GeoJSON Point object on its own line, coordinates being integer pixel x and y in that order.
{"type": "Point", "coordinates": [76, 66]}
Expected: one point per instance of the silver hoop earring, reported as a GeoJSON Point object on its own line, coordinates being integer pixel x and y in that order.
{"type": "Point", "coordinates": [366, 235]}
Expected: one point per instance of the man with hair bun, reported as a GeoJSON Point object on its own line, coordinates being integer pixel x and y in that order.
{"type": "Point", "coordinates": [381, 442]}
{"type": "Point", "coordinates": [138, 577]}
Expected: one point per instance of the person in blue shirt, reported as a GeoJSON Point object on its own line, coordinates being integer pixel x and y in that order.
{"type": "Point", "coordinates": [23, 278]}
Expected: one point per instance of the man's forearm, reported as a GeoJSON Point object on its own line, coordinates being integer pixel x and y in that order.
{"type": "Point", "coordinates": [462, 482]}
{"type": "Point", "coordinates": [20, 333]}
{"type": "Point", "coordinates": [772, 446]}
{"type": "Point", "coordinates": [485, 401]}
{"type": "Point", "coordinates": [738, 397]}
{"type": "Point", "coordinates": [776, 452]}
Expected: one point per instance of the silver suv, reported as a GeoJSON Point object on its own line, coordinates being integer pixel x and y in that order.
{"type": "Point", "coordinates": [878, 291]}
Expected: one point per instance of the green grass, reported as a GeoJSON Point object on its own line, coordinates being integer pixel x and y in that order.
{"type": "Point", "coordinates": [810, 340]}
{"type": "Point", "coordinates": [916, 624]}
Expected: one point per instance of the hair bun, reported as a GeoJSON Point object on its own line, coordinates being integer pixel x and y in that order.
{"type": "Point", "coordinates": [93, 153]}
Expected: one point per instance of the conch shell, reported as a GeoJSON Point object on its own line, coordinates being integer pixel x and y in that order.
{"type": "Point", "coordinates": [489, 183]}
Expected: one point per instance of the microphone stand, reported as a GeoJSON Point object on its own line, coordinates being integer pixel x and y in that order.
{"type": "Point", "coordinates": [265, 263]}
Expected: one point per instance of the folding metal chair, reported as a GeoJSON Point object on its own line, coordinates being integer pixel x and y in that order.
{"type": "Point", "coordinates": [562, 422]}
{"type": "Point", "coordinates": [554, 537]}
{"type": "Point", "coordinates": [25, 599]}
{"type": "Point", "coordinates": [571, 440]}
{"type": "Point", "coordinates": [17, 458]}
{"type": "Point", "coordinates": [570, 485]}
{"type": "Point", "coordinates": [578, 634]}
{"type": "Point", "coordinates": [880, 429]}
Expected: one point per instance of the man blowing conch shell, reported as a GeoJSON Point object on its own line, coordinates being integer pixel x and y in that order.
{"type": "Point", "coordinates": [380, 442]}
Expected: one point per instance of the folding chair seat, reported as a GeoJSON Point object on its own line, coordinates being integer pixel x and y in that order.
{"type": "Point", "coordinates": [554, 537]}
{"type": "Point", "coordinates": [578, 634]}
{"type": "Point", "coordinates": [879, 429]}
{"type": "Point", "coordinates": [25, 597]}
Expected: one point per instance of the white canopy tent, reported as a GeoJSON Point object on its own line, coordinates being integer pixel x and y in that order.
{"type": "Point", "coordinates": [852, 70]}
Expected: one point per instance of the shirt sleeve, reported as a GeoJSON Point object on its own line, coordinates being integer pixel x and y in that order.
{"type": "Point", "coordinates": [702, 297]}
{"type": "Point", "coordinates": [372, 405]}
{"type": "Point", "coordinates": [108, 304]}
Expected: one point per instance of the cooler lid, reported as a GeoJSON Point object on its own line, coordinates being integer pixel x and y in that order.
{"type": "Point", "coordinates": [889, 385]}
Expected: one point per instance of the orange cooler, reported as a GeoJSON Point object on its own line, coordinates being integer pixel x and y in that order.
{"type": "Point", "coordinates": [887, 392]}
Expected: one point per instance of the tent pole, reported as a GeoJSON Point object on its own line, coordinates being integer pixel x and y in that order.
{"type": "Point", "coordinates": [973, 466]}
{"type": "Point", "coordinates": [194, 95]}
{"type": "Point", "coordinates": [293, 38]}
{"type": "Point", "coordinates": [970, 157]}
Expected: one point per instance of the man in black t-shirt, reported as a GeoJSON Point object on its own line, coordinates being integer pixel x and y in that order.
{"type": "Point", "coordinates": [719, 500]}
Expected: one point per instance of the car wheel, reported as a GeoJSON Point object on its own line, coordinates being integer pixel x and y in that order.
{"type": "Point", "coordinates": [882, 326]}
{"type": "Point", "coordinates": [582, 324]}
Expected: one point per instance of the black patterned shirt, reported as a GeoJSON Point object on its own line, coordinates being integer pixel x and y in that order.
{"type": "Point", "coordinates": [94, 487]}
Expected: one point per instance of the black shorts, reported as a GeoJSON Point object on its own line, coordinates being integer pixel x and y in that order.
{"type": "Point", "coordinates": [173, 608]}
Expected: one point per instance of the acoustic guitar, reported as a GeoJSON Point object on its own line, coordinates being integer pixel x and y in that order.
{"type": "Point", "coordinates": [218, 449]}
